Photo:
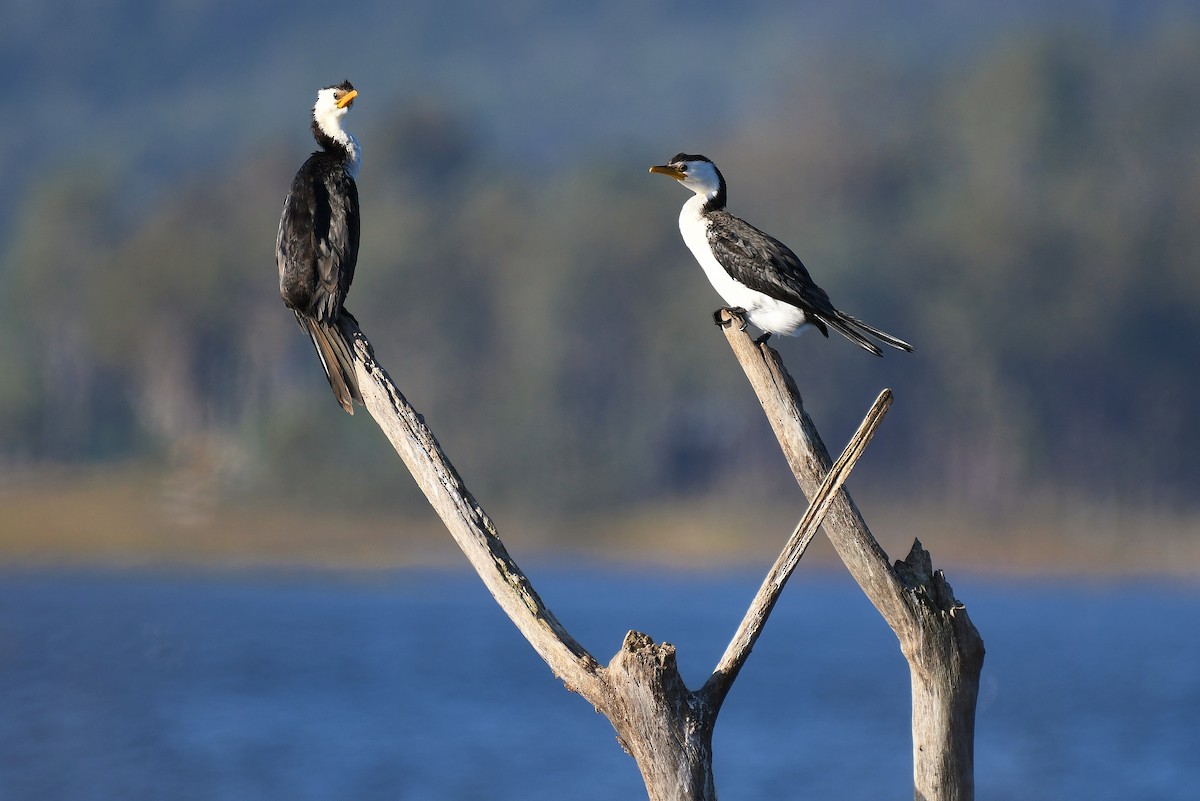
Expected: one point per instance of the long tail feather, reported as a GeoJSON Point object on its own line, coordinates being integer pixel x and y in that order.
{"type": "Point", "coordinates": [337, 359]}
{"type": "Point", "coordinates": [857, 331]}
{"type": "Point", "coordinates": [882, 336]}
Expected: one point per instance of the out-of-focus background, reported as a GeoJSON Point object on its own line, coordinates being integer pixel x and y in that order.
{"type": "Point", "coordinates": [1014, 188]}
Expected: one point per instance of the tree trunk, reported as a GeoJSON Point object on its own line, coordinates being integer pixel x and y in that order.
{"type": "Point", "coordinates": [664, 726]}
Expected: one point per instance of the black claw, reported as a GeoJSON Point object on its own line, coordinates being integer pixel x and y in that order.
{"type": "Point", "coordinates": [735, 310]}
{"type": "Point", "coordinates": [763, 339]}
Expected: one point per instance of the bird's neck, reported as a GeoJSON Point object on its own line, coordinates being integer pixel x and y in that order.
{"type": "Point", "coordinates": [693, 210]}
{"type": "Point", "coordinates": [714, 200]}
{"type": "Point", "coordinates": [335, 139]}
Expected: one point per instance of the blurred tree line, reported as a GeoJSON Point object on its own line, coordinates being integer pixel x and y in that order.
{"type": "Point", "coordinates": [1026, 215]}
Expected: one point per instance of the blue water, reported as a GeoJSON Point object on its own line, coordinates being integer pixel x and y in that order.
{"type": "Point", "coordinates": [132, 685]}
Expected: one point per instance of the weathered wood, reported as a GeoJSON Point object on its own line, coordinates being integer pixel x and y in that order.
{"type": "Point", "coordinates": [945, 658]}
{"type": "Point", "coordinates": [663, 725]}
{"type": "Point", "coordinates": [641, 691]}
{"type": "Point", "coordinates": [666, 727]}
{"type": "Point", "coordinates": [943, 648]}
{"type": "Point", "coordinates": [470, 527]}
{"type": "Point", "coordinates": [772, 587]}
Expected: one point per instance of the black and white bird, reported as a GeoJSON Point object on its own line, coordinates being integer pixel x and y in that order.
{"type": "Point", "coordinates": [317, 244]}
{"type": "Point", "coordinates": [754, 272]}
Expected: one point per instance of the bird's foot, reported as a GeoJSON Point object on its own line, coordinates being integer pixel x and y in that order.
{"type": "Point", "coordinates": [732, 311]}
{"type": "Point", "coordinates": [763, 339]}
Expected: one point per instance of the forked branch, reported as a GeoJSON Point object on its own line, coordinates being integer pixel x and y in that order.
{"type": "Point", "coordinates": [666, 727]}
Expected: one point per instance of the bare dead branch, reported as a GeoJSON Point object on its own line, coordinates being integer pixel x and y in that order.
{"type": "Point", "coordinates": [943, 648]}
{"type": "Point", "coordinates": [664, 726]}
{"type": "Point", "coordinates": [806, 455]}
{"type": "Point", "coordinates": [755, 619]}
{"type": "Point", "coordinates": [471, 528]}
{"type": "Point", "coordinates": [667, 728]}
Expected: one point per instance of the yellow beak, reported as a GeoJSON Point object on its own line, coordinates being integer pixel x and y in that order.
{"type": "Point", "coordinates": [347, 98]}
{"type": "Point", "coordinates": [668, 170]}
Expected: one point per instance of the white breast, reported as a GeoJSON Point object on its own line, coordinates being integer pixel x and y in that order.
{"type": "Point", "coordinates": [767, 313]}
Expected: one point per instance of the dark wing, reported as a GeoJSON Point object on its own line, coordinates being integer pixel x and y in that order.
{"type": "Point", "coordinates": [766, 265]}
{"type": "Point", "coordinates": [316, 248]}
{"type": "Point", "coordinates": [337, 243]}
{"type": "Point", "coordinates": [763, 263]}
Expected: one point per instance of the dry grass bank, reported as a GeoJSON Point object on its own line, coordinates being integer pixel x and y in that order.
{"type": "Point", "coordinates": [133, 517]}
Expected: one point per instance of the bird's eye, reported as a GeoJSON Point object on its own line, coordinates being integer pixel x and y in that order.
{"type": "Point", "coordinates": [683, 167]}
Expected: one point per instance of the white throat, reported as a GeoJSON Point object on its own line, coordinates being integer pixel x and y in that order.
{"type": "Point", "coordinates": [329, 120]}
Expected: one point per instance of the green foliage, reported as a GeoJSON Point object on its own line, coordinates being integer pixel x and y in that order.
{"type": "Point", "coordinates": [1024, 213]}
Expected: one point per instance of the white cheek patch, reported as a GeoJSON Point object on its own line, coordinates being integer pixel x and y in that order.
{"type": "Point", "coordinates": [701, 178]}
{"type": "Point", "coordinates": [329, 119]}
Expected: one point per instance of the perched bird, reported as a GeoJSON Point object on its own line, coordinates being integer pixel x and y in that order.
{"type": "Point", "coordinates": [317, 245]}
{"type": "Point", "coordinates": [754, 272]}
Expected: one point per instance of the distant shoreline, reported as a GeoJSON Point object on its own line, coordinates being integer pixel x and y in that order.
{"type": "Point", "coordinates": [115, 518]}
